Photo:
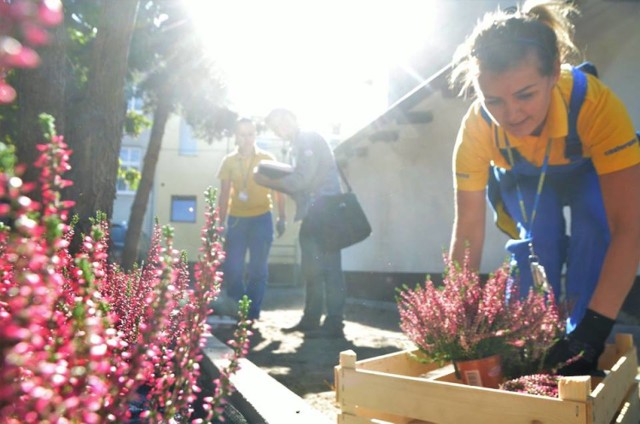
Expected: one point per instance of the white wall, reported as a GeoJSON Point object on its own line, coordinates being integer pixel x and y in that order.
{"type": "Point", "coordinates": [406, 190]}
{"type": "Point", "coordinates": [608, 33]}
{"type": "Point", "coordinates": [406, 186]}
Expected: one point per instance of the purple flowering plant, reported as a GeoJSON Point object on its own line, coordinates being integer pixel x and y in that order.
{"type": "Point", "coordinates": [466, 318]}
{"type": "Point", "coordinates": [79, 337]}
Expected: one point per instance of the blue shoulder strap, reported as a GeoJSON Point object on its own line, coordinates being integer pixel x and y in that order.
{"type": "Point", "coordinates": [573, 146]}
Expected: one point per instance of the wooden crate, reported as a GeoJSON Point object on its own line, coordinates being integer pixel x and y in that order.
{"type": "Point", "coordinates": [396, 388]}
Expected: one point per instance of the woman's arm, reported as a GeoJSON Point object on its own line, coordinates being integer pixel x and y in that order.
{"type": "Point", "coordinates": [621, 194]}
{"type": "Point", "coordinates": [468, 226]}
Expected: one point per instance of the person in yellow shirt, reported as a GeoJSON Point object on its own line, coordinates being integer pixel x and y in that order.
{"type": "Point", "coordinates": [245, 207]}
{"type": "Point", "coordinates": [541, 137]}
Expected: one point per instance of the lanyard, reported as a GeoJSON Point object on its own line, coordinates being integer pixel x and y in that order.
{"type": "Point", "coordinates": [543, 173]}
{"type": "Point", "coordinates": [538, 274]}
{"type": "Point", "coordinates": [245, 176]}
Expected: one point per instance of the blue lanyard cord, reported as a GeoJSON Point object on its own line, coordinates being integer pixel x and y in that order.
{"type": "Point", "coordinates": [543, 173]}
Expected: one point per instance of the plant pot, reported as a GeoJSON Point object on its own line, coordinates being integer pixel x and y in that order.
{"type": "Point", "coordinates": [485, 372]}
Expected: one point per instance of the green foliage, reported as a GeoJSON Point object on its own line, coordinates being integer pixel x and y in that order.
{"type": "Point", "coordinates": [171, 55]}
{"type": "Point", "coordinates": [47, 124]}
{"type": "Point", "coordinates": [207, 124]}
{"type": "Point", "coordinates": [130, 175]}
{"type": "Point", "coordinates": [81, 21]}
{"type": "Point", "coordinates": [135, 123]}
{"type": "Point", "coordinates": [7, 158]}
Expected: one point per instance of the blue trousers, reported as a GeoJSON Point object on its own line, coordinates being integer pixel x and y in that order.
{"type": "Point", "coordinates": [255, 235]}
{"type": "Point", "coordinates": [582, 251]}
{"type": "Point", "coordinates": [323, 279]}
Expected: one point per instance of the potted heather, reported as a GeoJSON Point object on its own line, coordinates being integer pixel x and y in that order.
{"type": "Point", "coordinates": [466, 319]}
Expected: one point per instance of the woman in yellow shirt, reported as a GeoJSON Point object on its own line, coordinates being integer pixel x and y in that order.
{"type": "Point", "coordinates": [245, 207]}
{"type": "Point", "coordinates": [541, 137]}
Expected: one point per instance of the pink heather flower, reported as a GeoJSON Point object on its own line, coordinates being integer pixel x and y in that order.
{"type": "Point", "coordinates": [23, 58]}
{"type": "Point", "coordinates": [465, 318]}
{"type": "Point", "coordinates": [34, 34]}
{"type": "Point", "coordinates": [78, 335]}
{"type": "Point", "coordinates": [50, 12]}
{"type": "Point", "coordinates": [7, 93]}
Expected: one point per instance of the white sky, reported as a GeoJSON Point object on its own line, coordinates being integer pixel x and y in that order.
{"type": "Point", "coordinates": [325, 60]}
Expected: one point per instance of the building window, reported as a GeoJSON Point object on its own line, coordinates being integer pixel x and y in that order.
{"type": "Point", "coordinates": [130, 159]}
{"type": "Point", "coordinates": [135, 104]}
{"type": "Point", "coordinates": [188, 143]}
{"type": "Point", "coordinates": [183, 208]}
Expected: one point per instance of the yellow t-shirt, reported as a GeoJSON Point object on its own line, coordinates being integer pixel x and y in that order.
{"type": "Point", "coordinates": [246, 198]}
{"type": "Point", "coordinates": [604, 127]}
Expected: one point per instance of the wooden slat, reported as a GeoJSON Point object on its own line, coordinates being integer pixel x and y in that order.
{"type": "Point", "coordinates": [347, 362]}
{"type": "Point", "coordinates": [396, 388]}
{"type": "Point", "coordinates": [446, 373]}
{"type": "Point", "coordinates": [403, 363]}
{"type": "Point", "coordinates": [608, 396]}
{"type": "Point", "coordinates": [448, 403]}
{"type": "Point", "coordinates": [384, 417]}
{"type": "Point", "coordinates": [630, 411]}
{"type": "Point", "coordinates": [352, 419]}
{"type": "Point", "coordinates": [575, 388]}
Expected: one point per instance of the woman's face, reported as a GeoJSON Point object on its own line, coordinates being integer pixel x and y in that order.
{"type": "Point", "coordinates": [518, 99]}
{"type": "Point", "coordinates": [245, 137]}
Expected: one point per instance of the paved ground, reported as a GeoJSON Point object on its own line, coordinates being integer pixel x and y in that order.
{"type": "Point", "coordinates": [306, 365]}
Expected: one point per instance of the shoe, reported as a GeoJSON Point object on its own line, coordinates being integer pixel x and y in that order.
{"type": "Point", "coordinates": [331, 330]}
{"type": "Point", "coordinates": [305, 325]}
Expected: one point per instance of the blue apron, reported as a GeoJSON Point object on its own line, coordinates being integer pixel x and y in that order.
{"type": "Point", "coordinates": [574, 186]}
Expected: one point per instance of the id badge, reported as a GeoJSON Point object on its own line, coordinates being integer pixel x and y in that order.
{"type": "Point", "coordinates": [539, 275]}
{"type": "Point", "coordinates": [243, 196]}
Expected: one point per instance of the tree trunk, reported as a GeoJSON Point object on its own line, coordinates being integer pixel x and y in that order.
{"type": "Point", "coordinates": [139, 206]}
{"type": "Point", "coordinates": [40, 90]}
{"type": "Point", "coordinates": [95, 127]}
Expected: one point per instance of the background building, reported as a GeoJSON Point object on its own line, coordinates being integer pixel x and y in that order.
{"type": "Point", "coordinates": [399, 164]}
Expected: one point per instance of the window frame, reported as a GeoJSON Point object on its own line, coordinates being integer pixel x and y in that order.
{"type": "Point", "coordinates": [183, 198]}
{"type": "Point", "coordinates": [127, 164]}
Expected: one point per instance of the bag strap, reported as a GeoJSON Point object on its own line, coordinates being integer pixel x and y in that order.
{"type": "Point", "coordinates": [346, 182]}
{"type": "Point", "coordinates": [573, 145]}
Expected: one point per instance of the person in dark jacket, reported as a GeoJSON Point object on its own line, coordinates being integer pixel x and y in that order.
{"type": "Point", "coordinates": [315, 174]}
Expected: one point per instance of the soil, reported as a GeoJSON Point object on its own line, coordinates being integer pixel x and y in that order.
{"type": "Point", "coordinates": [305, 365]}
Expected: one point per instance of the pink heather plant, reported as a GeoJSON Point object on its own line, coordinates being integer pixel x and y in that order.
{"type": "Point", "coordinates": [469, 319]}
{"type": "Point", "coordinates": [23, 25]}
{"type": "Point", "coordinates": [536, 384]}
{"type": "Point", "coordinates": [80, 339]}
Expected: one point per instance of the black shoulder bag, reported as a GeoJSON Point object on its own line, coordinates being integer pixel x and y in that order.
{"type": "Point", "coordinates": [337, 221]}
